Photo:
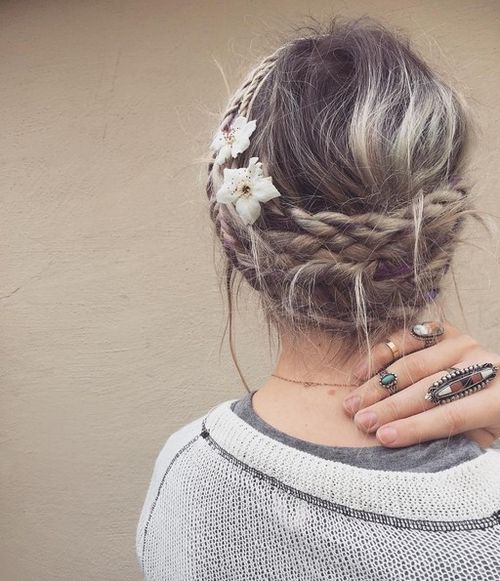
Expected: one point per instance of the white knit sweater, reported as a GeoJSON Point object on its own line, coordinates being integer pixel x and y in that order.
{"type": "Point", "coordinates": [227, 502]}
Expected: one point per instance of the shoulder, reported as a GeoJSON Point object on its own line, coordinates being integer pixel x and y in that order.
{"type": "Point", "coordinates": [182, 438]}
{"type": "Point", "coordinates": [176, 442]}
{"type": "Point", "coordinates": [173, 447]}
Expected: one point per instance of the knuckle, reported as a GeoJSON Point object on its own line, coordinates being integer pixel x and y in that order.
{"type": "Point", "coordinates": [451, 330]}
{"type": "Point", "coordinates": [469, 342]}
{"type": "Point", "coordinates": [492, 358]}
{"type": "Point", "coordinates": [416, 365]}
{"type": "Point", "coordinates": [372, 397]}
{"type": "Point", "coordinates": [367, 397]}
{"type": "Point", "coordinates": [453, 418]}
{"type": "Point", "coordinates": [391, 409]}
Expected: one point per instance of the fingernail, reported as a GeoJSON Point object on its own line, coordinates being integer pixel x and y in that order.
{"type": "Point", "coordinates": [367, 419]}
{"type": "Point", "coordinates": [387, 435]}
{"type": "Point", "coordinates": [352, 404]}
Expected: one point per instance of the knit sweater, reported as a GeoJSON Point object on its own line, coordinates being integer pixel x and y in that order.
{"type": "Point", "coordinates": [227, 501]}
{"type": "Point", "coordinates": [430, 456]}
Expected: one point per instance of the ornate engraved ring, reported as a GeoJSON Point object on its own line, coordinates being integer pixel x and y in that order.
{"type": "Point", "coordinates": [461, 382]}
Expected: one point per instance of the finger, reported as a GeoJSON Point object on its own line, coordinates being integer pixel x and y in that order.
{"type": "Point", "coordinates": [483, 437]}
{"type": "Point", "coordinates": [411, 369]}
{"type": "Point", "coordinates": [405, 403]}
{"type": "Point", "coordinates": [455, 417]}
{"type": "Point", "coordinates": [406, 343]}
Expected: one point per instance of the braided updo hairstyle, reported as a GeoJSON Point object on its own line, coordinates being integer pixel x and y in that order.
{"type": "Point", "coordinates": [367, 146]}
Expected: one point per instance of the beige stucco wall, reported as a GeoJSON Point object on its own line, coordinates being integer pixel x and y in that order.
{"type": "Point", "coordinates": [110, 312]}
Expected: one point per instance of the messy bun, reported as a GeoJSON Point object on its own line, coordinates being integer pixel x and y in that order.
{"type": "Point", "coordinates": [367, 146]}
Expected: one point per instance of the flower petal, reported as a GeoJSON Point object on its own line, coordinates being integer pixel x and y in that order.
{"type": "Point", "coordinates": [239, 145]}
{"type": "Point", "coordinates": [242, 138]}
{"type": "Point", "coordinates": [248, 208]}
{"type": "Point", "coordinates": [254, 169]}
{"type": "Point", "coordinates": [264, 190]}
{"type": "Point", "coordinates": [239, 123]}
{"type": "Point", "coordinates": [224, 154]}
{"type": "Point", "coordinates": [248, 129]}
{"type": "Point", "coordinates": [225, 195]}
{"type": "Point", "coordinates": [218, 141]}
{"type": "Point", "coordinates": [232, 176]}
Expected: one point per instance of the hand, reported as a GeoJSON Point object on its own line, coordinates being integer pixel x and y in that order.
{"type": "Point", "coordinates": [406, 418]}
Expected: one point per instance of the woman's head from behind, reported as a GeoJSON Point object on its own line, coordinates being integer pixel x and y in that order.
{"type": "Point", "coordinates": [366, 146]}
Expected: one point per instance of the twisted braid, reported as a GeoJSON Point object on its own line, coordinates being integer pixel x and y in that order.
{"type": "Point", "coordinates": [242, 101]}
{"type": "Point", "coordinates": [333, 249]}
{"type": "Point", "coordinates": [368, 270]}
{"type": "Point", "coordinates": [240, 104]}
{"type": "Point", "coordinates": [366, 238]}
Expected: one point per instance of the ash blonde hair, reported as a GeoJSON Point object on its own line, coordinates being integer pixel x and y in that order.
{"type": "Point", "coordinates": [367, 146]}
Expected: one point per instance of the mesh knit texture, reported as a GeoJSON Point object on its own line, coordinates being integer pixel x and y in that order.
{"type": "Point", "coordinates": [226, 502]}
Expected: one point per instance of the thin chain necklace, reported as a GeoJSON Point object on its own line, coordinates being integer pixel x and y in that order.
{"type": "Point", "coordinates": [311, 383]}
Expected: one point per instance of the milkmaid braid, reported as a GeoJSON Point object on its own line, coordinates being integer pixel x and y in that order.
{"type": "Point", "coordinates": [367, 146]}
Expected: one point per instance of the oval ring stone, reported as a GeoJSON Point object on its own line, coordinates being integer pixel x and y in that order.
{"type": "Point", "coordinates": [388, 378]}
{"type": "Point", "coordinates": [427, 330]}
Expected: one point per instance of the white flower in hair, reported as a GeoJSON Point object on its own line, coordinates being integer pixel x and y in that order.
{"type": "Point", "coordinates": [233, 140]}
{"type": "Point", "coordinates": [247, 188]}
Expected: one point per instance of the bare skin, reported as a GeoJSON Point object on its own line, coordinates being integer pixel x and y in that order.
{"type": "Point", "coordinates": [314, 414]}
{"type": "Point", "coordinates": [319, 414]}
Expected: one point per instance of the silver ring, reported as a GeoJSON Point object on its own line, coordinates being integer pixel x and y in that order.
{"type": "Point", "coordinates": [388, 380]}
{"type": "Point", "coordinates": [428, 332]}
{"type": "Point", "coordinates": [458, 383]}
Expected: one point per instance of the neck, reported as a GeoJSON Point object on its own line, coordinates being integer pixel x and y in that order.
{"type": "Point", "coordinates": [312, 413]}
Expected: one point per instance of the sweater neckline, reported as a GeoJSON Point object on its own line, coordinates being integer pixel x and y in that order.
{"type": "Point", "coordinates": [468, 491]}
{"type": "Point", "coordinates": [431, 456]}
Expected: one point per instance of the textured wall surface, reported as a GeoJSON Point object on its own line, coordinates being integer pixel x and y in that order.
{"type": "Point", "coordinates": [110, 312]}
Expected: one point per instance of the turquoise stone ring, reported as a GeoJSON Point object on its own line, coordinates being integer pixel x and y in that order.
{"type": "Point", "coordinates": [388, 380]}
